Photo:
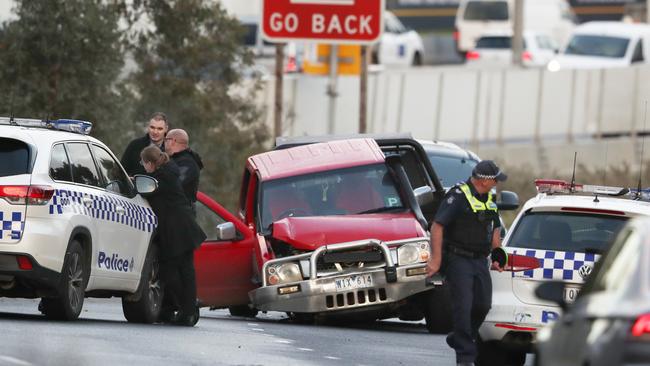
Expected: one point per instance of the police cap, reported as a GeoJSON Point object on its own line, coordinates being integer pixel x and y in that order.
{"type": "Point", "coordinates": [487, 169]}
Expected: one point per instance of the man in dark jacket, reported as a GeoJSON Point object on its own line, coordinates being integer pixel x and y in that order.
{"type": "Point", "coordinates": [188, 161]}
{"type": "Point", "coordinates": [156, 131]}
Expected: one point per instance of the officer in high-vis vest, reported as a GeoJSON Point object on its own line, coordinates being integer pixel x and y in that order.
{"type": "Point", "coordinates": [465, 230]}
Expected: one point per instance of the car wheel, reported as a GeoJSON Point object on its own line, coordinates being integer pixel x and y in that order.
{"type": "Point", "coordinates": [417, 59]}
{"type": "Point", "coordinates": [72, 288]}
{"type": "Point", "coordinates": [146, 309]}
{"type": "Point", "coordinates": [491, 353]}
{"type": "Point", "coordinates": [437, 310]}
{"type": "Point", "coordinates": [243, 310]}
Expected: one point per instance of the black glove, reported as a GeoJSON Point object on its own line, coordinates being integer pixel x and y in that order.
{"type": "Point", "coordinates": [500, 256]}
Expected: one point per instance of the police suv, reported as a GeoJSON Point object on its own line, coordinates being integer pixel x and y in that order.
{"type": "Point", "coordinates": [72, 223]}
{"type": "Point", "coordinates": [565, 228]}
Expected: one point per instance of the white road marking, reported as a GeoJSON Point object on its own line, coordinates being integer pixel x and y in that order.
{"type": "Point", "coordinates": [306, 349]}
{"type": "Point", "coordinates": [332, 358]}
{"type": "Point", "coordinates": [284, 341]}
{"type": "Point", "coordinates": [257, 329]}
{"type": "Point", "coordinates": [13, 361]}
{"type": "Point", "coordinates": [253, 324]}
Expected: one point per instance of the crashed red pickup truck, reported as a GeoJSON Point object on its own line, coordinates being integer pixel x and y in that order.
{"type": "Point", "coordinates": [338, 227]}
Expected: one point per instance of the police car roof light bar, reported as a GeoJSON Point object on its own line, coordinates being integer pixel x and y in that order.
{"type": "Point", "coordinates": [69, 125]}
{"type": "Point", "coordinates": [554, 186]}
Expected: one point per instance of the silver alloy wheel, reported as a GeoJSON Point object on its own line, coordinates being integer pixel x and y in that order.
{"type": "Point", "coordinates": [155, 290]}
{"type": "Point", "coordinates": [75, 281]}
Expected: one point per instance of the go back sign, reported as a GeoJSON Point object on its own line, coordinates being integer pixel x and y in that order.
{"type": "Point", "coordinates": [330, 21]}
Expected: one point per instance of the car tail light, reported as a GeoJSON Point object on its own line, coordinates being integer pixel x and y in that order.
{"type": "Point", "coordinates": [518, 263]}
{"type": "Point", "coordinates": [526, 56]}
{"type": "Point", "coordinates": [24, 263]}
{"type": "Point", "coordinates": [30, 195]}
{"type": "Point", "coordinates": [456, 35]}
{"type": "Point", "coordinates": [472, 55]}
{"type": "Point", "coordinates": [642, 326]}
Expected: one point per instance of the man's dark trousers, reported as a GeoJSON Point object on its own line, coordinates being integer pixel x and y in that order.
{"type": "Point", "coordinates": [471, 297]}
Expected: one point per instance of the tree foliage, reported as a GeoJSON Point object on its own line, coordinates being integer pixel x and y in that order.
{"type": "Point", "coordinates": [66, 59]}
{"type": "Point", "coordinates": [63, 59]}
{"type": "Point", "coordinates": [190, 60]}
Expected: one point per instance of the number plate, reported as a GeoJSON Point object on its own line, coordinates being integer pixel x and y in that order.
{"type": "Point", "coordinates": [353, 282]}
{"type": "Point", "coordinates": [570, 294]}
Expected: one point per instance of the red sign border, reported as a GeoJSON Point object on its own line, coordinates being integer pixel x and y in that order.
{"type": "Point", "coordinates": [324, 40]}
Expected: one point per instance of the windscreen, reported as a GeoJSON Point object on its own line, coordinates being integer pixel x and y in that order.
{"type": "Point", "coordinates": [14, 157]}
{"type": "Point", "coordinates": [359, 190]}
{"type": "Point", "coordinates": [486, 10]}
{"type": "Point", "coordinates": [598, 46]}
{"type": "Point", "coordinates": [451, 170]}
{"type": "Point", "coordinates": [495, 42]}
{"type": "Point", "coordinates": [560, 231]}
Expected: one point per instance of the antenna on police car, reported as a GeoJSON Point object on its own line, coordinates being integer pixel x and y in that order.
{"type": "Point", "coordinates": [573, 177]}
{"type": "Point", "coordinates": [645, 117]}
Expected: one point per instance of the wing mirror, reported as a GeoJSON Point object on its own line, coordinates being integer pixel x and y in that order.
{"type": "Point", "coordinates": [508, 201]}
{"type": "Point", "coordinates": [552, 291]}
{"type": "Point", "coordinates": [423, 195]}
{"type": "Point", "coordinates": [145, 183]}
{"type": "Point", "coordinates": [226, 231]}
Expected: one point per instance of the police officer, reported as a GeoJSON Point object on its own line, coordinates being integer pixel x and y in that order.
{"type": "Point", "coordinates": [464, 231]}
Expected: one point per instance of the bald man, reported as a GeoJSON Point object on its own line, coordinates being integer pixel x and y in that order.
{"type": "Point", "coordinates": [189, 162]}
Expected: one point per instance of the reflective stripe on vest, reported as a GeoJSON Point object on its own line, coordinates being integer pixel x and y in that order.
{"type": "Point", "coordinates": [474, 203]}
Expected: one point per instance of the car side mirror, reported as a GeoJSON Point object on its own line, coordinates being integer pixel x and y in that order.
{"type": "Point", "coordinates": [145, 183]}
{"type": "Point", "coordinates": [226, 231]}
{"type": "Point", "coordinates": [552, 291]}
{"type": "Point", "coordinates": [423, 195]}
{"type": "Point", "coordinates": [508, 201]}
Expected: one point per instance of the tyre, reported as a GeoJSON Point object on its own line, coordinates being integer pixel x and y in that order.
{"type": "Point", "coordinates": [146, 309]}
{"type": "Point", "coordinates": [437, 310]}
{"type": "Point", "coordinates": [243, 310]}
{"type": "Point", "coordinates": [417, 59]}
{"type": "Point", "coordinates": [72, 287]}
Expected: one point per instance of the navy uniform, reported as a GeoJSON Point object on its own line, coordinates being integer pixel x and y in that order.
{"type": "Point", "coordinates": [468, 221]}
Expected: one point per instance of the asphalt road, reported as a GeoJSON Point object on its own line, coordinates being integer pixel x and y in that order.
{"type": "Point", "coordinates": [103, 337]}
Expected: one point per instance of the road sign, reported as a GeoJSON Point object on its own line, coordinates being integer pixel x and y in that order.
{"type": "Point", "coordinates": [328, 21]}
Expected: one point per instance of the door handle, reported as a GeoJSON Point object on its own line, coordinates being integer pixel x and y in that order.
{"type": "Point", "coordinates": [120, 210]}
{"type": "Point", "coordinates": [88, 202]}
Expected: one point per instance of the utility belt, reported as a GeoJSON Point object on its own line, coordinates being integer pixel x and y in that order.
{"type": "Point", "coordinates": [452, 249]}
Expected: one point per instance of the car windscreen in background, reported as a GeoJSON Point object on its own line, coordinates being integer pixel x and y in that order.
{"type": "Point", "coordinates": [451, 170]}
{"type": "Point", "coordinates": [488, 10]}
{"type": "Point", "coordinates": [14, 157]}
{"type": "Point", "coordinates": [599, 46]}
{"type": "Point", "coordinates": [585, 233]}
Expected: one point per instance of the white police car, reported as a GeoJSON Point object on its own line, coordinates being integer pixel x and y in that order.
{"type": "Point", "coordinates": [565, 227]}
{"type": "Point", "coordinates": [72, 223]}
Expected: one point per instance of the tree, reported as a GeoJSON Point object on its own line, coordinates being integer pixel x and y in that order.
{"type": "Point", "coordinates": [191, 63]}
{"type": "Point", "coordinates": [62, 59]}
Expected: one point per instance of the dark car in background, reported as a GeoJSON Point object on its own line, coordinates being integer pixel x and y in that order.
{"type": "Point", "coordinates": [609, 323]}
{"type": "Point", "coordinates": [452, 163]}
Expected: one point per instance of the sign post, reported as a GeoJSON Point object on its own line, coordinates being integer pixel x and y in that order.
{"type": "Point", "coordinates": [328, 21]}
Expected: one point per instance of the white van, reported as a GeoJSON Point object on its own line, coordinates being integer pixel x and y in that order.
{"type": "Point", "coordinates": [598, 44]}
{"type": "Point", "coordinates": [478, 17]}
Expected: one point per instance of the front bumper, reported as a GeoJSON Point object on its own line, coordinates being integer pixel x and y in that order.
{"type": "Point", "coordinates": [319, 294]}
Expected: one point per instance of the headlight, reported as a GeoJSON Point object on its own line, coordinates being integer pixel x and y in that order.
{"type": "Point", "coordinates": [283, 273]}
{"type": "Point", "coordinates": [413, 253]}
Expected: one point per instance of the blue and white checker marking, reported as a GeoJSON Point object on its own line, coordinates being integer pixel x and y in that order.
{"type": "Point", "coordinates": [556, 265]}
{"type": "Point", "coordinates": [104, 208]}
{"type": "Point", "coordinates": [13, 225]}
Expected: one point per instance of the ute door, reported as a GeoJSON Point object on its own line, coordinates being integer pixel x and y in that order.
{"type": "Point", "coordinates": [224, 269]}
